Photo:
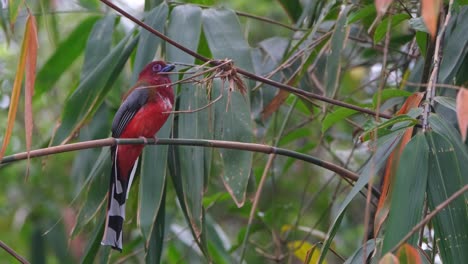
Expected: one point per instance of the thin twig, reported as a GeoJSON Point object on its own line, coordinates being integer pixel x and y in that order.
{"type": "Point", "coordinates": [302, 93]}
{"type": "Point", "coordinates": [426, 219]}
{"type": "Point", "coordinates": [13, 253]}
{"type": "Point", "coordinates": [271, 157]}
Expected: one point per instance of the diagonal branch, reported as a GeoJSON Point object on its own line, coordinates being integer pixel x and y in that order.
{"type": "Point", "coordinates": [13, 253]}
{"type": "Point", "coordinates": [426, 219]}
{"type": "Point", "coordinates": [301, 93]}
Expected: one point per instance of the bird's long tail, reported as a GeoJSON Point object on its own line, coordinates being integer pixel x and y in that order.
{"type": "Point", "coordinates": [118, 194]}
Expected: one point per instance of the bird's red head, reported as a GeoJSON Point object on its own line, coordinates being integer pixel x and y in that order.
{"type": "Point", "coordinates": [154, 72]}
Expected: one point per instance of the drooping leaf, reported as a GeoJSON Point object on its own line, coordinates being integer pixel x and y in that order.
{"type": "Point", "coordinates": [446, 176]}
{"type": "Point", "coordinates": [448, 102]}
{"type": "Point", "coordinates": [387, 94]}
{"type": "Point", "coordinates": [361, 13]}
{"type": "Point", "coordinates": [332, 118]}
{"type": "Point", "coordinates": [383, 206]}
{"type": "Point", "coordinates": [462, 112]}
{"type": "Point", "coordinates": [149, 43]}
{"type": "Point", "coordinates": [293, 8]}
{"type": "Point", "coordinates": [455, 50]}
{"type": "Point", "coordinates": [95, 243]}
{"type": "Point", "coordinates": [192, 160]}
{"type": "Point", "coordinates": [155, 241]}
{"type": "Point", "coordinates": [94, 189]}
{"type": "Point", "coordinates": [154, 158]}
{"type": "Point", "coordinates": [384, 146]}
{"type": "Point", "coordinates": [91, 91]}
{"type": "Point", "coordinates": [232, 117]}
{"type": "Point", "coordinates": [402, 121]}
{"type": "Point", "coordinates": [333, 66]}
{"type": "Point", "coordinates": [30, 78]}
{"type": "Point", "coordinates": [14, 7]}
{"type": "Point", "coordinates": [64, 55]}
{"type": "Point", "coordinates": [358, 256]}
{"type": "Point", "coordinates": [381, 29]}
{"type": "Point", "coordinates": [98, 44]}
{"type": "Point", "coordinates": [407, 197]}
{"type": "Point", "coordinates": [16, 90]}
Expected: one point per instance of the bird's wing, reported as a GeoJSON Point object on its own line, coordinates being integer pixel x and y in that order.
{"type": "Point", "coordinates": [134, 101]}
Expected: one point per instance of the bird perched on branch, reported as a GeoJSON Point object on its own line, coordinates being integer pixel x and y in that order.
{"type": "Point", "coordinates": [143, 112]}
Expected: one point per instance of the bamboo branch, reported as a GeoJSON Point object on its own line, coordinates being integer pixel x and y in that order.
{"type": "Point", "coordinates": [187, 142]}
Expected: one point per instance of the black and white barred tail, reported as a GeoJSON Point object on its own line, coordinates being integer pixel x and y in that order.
{"type": "Point", "coordinates": [118, 194]}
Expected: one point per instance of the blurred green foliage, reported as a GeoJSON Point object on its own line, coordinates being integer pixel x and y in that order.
{"type": "Point", "coordinates": [89, 57]}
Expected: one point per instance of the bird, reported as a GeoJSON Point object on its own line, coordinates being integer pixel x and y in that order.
{"type": "Point", "coordinates": [144, 110]}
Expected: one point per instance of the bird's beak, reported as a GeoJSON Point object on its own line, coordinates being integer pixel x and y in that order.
{"type": "Point", "coordinates": [168, 68]}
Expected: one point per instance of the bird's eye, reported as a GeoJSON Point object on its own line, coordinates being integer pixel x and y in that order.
{"type": "Point", "coordinates": [157, 68]}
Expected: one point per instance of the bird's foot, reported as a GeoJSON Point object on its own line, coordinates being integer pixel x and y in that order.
{"type": "Point", "coordinates": [145, 140]}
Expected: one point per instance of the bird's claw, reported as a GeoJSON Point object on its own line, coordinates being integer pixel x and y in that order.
{"type": "Point", "coordinates": [145, 140]}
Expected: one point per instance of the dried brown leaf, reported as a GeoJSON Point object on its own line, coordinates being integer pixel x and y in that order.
{"type": "Point", "coordinates": [430, 14]}
{"type": "Point", "coordinates": [462, 112]}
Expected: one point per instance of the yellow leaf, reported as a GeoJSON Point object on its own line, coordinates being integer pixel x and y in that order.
{"type": "Point", "coordinates": [462, 111]}
{"type": "Point", "coordinates": [305, 251]}
{"type": "Point", "coordinates": [16, 91]}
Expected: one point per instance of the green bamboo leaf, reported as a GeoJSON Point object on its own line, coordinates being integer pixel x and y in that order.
{"type": "Point", "coordinates": [387, 94]}
{"type": "Point", "coordinates": [152, 182]}
{"type": "Point", "coordinates": [149, 43]}
{"type": "Point", "coordinates": [13, 10]}
{"type": "Point", "coordinates": [446, 177]}
{"type": "Point", "coordinates": [154, 158]}
{"type": "Point", "coordinates": [84, 162]}
{"type": "Point", "coordinates": [95, 243]}
{"type": "Point", "coordinates": [293, 8]}
{"type": "Point", "coordinates": [218, 244]}
{"type": "Point", "coordinates": [333, 66]}
{"type": "Point", "coordinates": [455, 50]}
{"type": "Point", "coordinates": [65, 54]}
{"type": "Point", "coordinates": [95, 187]}
{"type": "Point", "coordinates": [156, 240]}
{"type": "Point", "coordinates": [89, 94]}
{"type": "Point", "coordinates": [232, 121]}
{"type": "Point", "coordinates": [358, 256]}
{"type": "Point", "coordinates": [185, 28]}
{"type": "Point", "coordinates": [338, 115]}
{"type": "Point", "coordinates": [381, 29]}
{"type": "Point", "coordinates": [407, 198]}
{"type": "Point", "coordinates": [98, 45]}
{"type": "Point", "coordinates": [447, 102]}
{"type": "Point", "coordinates": [389, 126]}
{"type": "Point", "coordinates": [385, 146]}
{"type": "Point", "coordinates": [440, 126]}
{"type": "Point", "coordinates": [361, 13]}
